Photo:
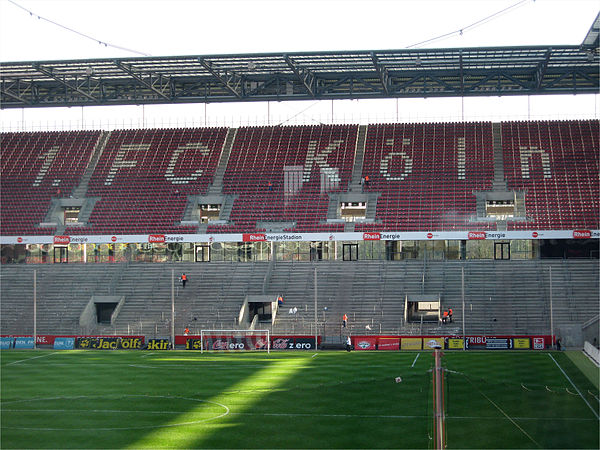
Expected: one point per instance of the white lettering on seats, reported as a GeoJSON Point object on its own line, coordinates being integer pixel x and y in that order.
{"type": "Point", "coordinates": [384, 166]}
{"type": "Point", "coordinates": [120, 163]}
{"type": "Point", "coordinates": [169, 175]}
{"type": "Point", "coordinates": [385, 163]}
{"type": "Point", "coordinates": [320, 158]}
{"type": "Point", "coordinates": [526, 153]}
{"type": "Point", "coordinates": [461, 157]}
{"type": "Point", "coordinates": [48, 158]}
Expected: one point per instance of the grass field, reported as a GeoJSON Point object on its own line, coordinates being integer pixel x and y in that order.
{"type": "Point", "coordinates": [184, 399]}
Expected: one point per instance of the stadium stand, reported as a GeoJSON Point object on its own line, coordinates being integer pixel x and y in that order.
{"type": "Point", "coordinates": [302, 163]}
{"type": "Point", "coordinates": [37, 167]}
{"type": "Point", "coordinates": [143, 178]}
{"type": "Point", "coordinates": [500, 298]}
{"type": "Point", "coordinates": [427, 174]}
{"type": "Point", "coordinates": [422, 177]}
{"type": "Point", "coordinates": [557, 164]}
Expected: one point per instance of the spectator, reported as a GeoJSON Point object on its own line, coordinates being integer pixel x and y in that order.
{"type": "Point", "coordinates": [445, 317]}
{"type": "Point", "coordinates": [186, 331]}
{"type": "Point", "coordinates": [367, 181]}
{"type": "Point", "coordinates": [270, 186]}
{"type": "Point", "coordinates": [280, 301]}
{"type": "Point", "coordinates": [450, 314]}
{"type": "Point", "coordinates": [344, 320]}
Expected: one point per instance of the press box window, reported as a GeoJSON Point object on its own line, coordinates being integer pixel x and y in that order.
{"type": "Point", "coordinates": [350, 211]}
{"type": "Point", "coordinates": [209, 212]}
{"type": "Point", "coordinates": [71, 215]}
{"type": "Point", "coordinates": [500, 209]}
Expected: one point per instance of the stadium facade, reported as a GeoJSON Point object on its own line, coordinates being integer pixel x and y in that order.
{"type": "Point", "coordinates": [500, 199]}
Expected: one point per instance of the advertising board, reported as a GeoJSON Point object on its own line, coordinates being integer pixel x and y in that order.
{"type": "Point", "coordinates": [158, 344]}
{"type": "Point", "coordinates": [388, 343]}
{"type": "Point", "coordinates": [432, 343]}
{"type": "Point", "coordinates": [411, 343]}
{"type": "Point", "coordinates": [64, 343]}
{"type": "Point", "coordinates": [456, 343]}
{"type": "Point", "coordinates": [24, 342]}
{"type": "Point", "coordinates": [521, 343]}
{"type": "Point", "coordinates": [365, 343]}
{"type": "Point", "coordinates": [6, 342]}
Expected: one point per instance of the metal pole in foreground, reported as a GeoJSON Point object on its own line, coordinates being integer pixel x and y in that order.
{"type": "Point", "coordinates": [462, 281]}
{"type": "Point", "coordinates": [173, 308]}
{"type": "Point", "coordinates": [34, 308]}
{"type": "Point", "coordinates": [551, 315]}
{"type": "Point", "coordinates": [316, 331]}
{"type": "Point", "coordinates": [438, 407]}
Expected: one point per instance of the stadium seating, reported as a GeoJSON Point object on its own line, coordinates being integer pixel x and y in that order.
{"type": "Point", "coordinates": [35, 168]}
{"type": "Point", "coordinates": [317, 159]}
{"type": "Point", "coordinates": [425, 176]}
{"type": "Point", "coordinates": [144, 176]}
{"type": "Point", "coordinates": [427, 173]}
{"type": "Point", "coordinates": [557, 164]}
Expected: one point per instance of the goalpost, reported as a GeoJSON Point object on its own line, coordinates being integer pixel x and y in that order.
{"type": "Point", "coordinates": [235, 340]}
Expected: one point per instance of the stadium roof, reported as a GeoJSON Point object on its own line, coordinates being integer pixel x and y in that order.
{"type": "Point", "coordinates": [453, 72]}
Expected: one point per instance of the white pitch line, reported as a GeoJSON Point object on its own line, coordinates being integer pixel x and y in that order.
{"type": "Point", "coordinates": [416, 357]}
{"type": "Point", "coordinates": [28, 359]}
{"type": "Point", "coordinates": [511, 419]}
{"type": "Point", "coordinates": [314, 355]}
{"type": "Point", "coordinates": [366, 416]}
{"type": "Point", "coordinates": [573, 384]}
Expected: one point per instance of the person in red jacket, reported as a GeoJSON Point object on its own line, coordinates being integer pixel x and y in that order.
{"type": "Point", "coordinates": [183, 279]}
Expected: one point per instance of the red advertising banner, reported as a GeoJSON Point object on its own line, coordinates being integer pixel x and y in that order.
{"type": "Point", "coordinates": [372, 236]}
{"type": "Point", "coordinates": [388, 343]}
{"type": "Point", "coordinates": [254, 237]}
{"type": "Point", "coordinates": [582, 234]}
{"type": "Point", "coordinates": [365, 343]}
{"type": "Point", "coordinates": [476, 235]}
{"type": "Point", "coordinates": [62, 240]}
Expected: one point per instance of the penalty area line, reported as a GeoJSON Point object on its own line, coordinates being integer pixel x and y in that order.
{"type": "Point", "coordinates": [573, 384]}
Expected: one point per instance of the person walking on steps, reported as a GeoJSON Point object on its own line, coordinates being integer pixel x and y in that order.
{"type": "Point", "coordinates": [183, 279]}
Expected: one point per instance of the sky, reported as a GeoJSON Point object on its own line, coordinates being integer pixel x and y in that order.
{"type": "Point", "coordinates": [123, 28]}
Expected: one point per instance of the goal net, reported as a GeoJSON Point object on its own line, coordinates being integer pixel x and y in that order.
{"type": "Point", "coordinates": [235, 340]}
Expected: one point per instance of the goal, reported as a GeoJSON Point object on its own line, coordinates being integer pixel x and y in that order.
{"type": "Point", "coordinates": [235, 340]}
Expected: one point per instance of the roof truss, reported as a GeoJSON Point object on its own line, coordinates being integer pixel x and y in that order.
{"type": "Point", "coordinates": [301, 76]}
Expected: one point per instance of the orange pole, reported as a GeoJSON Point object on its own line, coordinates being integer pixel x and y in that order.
{"type": "Point", "coordinates": [438, 407]}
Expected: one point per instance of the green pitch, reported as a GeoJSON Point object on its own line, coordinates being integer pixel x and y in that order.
{"type": "Point", "coordinates": [184, 399]}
